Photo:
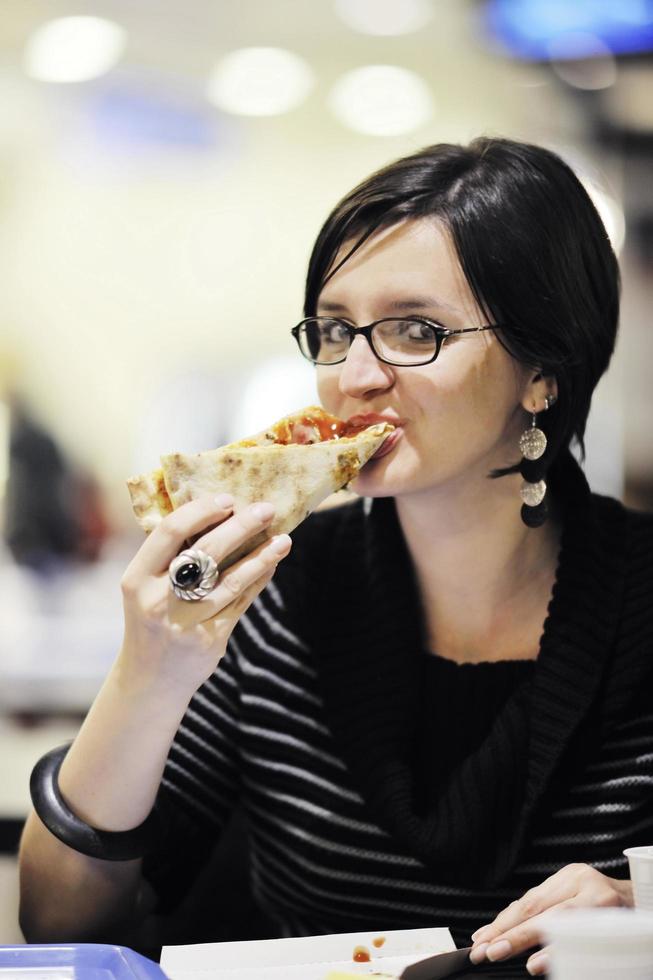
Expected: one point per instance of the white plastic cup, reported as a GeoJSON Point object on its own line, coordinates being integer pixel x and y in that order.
{"type": "Point", "coordinates": [640, 860]}
{"type": "Point", "coordinates": [600, 944]}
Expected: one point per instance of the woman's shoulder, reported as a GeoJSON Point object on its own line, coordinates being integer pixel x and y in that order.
{"type": "Point", "coordinates": [615, 530]}
{"type": "Point", "coordinates": [631, 529]}
{"type": "Point", "coordinates": [623, 538]}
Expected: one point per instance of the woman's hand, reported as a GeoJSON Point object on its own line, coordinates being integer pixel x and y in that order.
{"type": "Point", "coordinates": [176, 644]}
{"type": "Point", "coordinates": [517, 928]}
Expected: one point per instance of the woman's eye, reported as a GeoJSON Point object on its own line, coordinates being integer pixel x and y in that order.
{"type": "Point", "coordinates": [415, 330]}
{"type": "Point", "coordinates": [334, 333]}
{"type": "Point", "coordinates": [337, 334]}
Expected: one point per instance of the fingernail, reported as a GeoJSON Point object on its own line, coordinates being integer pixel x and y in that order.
{"type": "Point", "coordinates": [477, 955]}
{"type": "Point", "coordinates": [281, 544]}
{"type": "Point", "coordinates": [224, 501]}
{"type": "Point", "coordinates": [538, 964]}
{"type": "Point", "coordinates": [479, 933]}
{"type": "Point", "coordinates": [262, 512]}
{"type": "Point", "coordinates": [499, 951]}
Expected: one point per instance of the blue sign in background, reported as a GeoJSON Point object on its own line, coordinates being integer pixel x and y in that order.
{"type": "Point", "coordinates": [528, 28]}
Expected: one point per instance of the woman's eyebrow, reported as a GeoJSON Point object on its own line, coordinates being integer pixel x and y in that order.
{"type": "Point", "coordinates": [421, 303]}
{"type": "Point", "coordinates": [396, 306]}
{"type": "Point", "coordinates": [329, 307]}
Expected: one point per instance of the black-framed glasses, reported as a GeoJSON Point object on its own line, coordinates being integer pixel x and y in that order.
{"type": "Point", "coordinates": [399, 341]}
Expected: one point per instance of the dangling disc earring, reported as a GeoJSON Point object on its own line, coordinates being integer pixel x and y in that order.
{"type": "Point", "coordinates": [533, 441]}
{"type": "Point", "coordinates": [533, 446]}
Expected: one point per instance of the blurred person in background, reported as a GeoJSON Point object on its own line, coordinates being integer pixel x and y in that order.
{"type": "Point", "coordinates": [437, 713]}
{"type": "Point", "coordinates": [53, 513]}
{"type": "Point", "coordinates": [39, 528]}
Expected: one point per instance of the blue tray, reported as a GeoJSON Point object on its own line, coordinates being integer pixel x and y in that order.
{"type": "Point", "coordinates": [85, 961]}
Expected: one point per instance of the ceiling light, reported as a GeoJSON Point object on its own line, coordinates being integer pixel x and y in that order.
{"type": "Point", "coordinates": [260, 82]}
{"type": "Point", "coordinates": [74, 49]}
{"type": "Point", "coordinates": [384, 17]}
{"type": "Point", "coordinates": [381, 100]}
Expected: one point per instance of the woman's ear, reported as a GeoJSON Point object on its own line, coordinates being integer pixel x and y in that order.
{"type": "Point", "coordinates": [540, 393]}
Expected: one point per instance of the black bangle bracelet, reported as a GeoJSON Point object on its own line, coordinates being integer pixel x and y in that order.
{"type": "Point", "coordinates": [108, 845]}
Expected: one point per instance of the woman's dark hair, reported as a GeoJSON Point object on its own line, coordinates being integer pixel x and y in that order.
{"type": "Point", "coordinates": [530, 243]}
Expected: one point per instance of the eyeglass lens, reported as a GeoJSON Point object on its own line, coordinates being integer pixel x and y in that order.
{"type": "Point", "coordinates": [403, 341]}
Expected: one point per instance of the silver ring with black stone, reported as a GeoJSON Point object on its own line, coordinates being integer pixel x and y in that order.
{"type": "Point", "coordinates": [193, 574]}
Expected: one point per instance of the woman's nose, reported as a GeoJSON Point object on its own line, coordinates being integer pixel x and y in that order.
{"type": "Point", "coordinates": [362, 372]}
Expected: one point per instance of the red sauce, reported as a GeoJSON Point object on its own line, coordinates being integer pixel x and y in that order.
{"type": "Point", "coordinates": [352, 430]}
{"type": "Point", "coordinates": [378, 942]}
{"type": "Point", "coordinates": [314, 427]}
{"type": "Point", "coordinates": [361, 955]}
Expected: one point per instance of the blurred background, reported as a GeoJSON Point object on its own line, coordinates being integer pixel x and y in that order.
{"type": "Point", "coordinates": [164, 168]}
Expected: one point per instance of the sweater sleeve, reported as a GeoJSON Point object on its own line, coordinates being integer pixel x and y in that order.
{"type": "Point", "coordinates": [200, 785]}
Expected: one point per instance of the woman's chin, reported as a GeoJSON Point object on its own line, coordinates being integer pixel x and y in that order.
{"type": "Point", "coordinates": [380, 478]}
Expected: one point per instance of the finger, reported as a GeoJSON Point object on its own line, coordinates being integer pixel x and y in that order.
{"type": "Point", "coordinates": [166, 540]}
{"type": "Point", "coordinates": [233, 584]}
{"type": "Point", "coordinates": [210, 638]}
{"type": "Point", "coordinates": [242, 604]}
{"type": "Point", "coordinates": [524, 936]}
{"type": "Point", "coordinates": [223, 623]}
{"type": "Point", "coordinates": [239, 529]}
{"type": "Point", "coordinates": [552, 890]}
{"type": "Point", "coordinates": [539, 962]}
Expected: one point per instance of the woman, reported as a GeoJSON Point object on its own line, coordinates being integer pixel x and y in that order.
{"type": "Point", "coordinates": [439, 707]}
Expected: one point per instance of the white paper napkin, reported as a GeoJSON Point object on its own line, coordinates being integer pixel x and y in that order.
{"type": "Point", "coordinates": [309, 958]}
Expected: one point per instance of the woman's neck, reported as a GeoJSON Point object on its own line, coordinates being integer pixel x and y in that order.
{"type": "Point", "coordinates": [485, 579]}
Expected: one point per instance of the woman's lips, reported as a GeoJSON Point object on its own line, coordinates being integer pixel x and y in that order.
{"type": "Point", "coordinates": [388, 444]}
{"type": "Point", "coordinates": [372, 418]}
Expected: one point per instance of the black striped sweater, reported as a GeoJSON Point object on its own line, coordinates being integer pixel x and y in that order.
{"type": "Point", "coordinates": [309, 720]}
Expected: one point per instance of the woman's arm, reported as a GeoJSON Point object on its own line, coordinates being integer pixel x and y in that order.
{"type": "Point", "coordinates": [112, 772]}
{"type": "Point", "coordinates": [110, 779]}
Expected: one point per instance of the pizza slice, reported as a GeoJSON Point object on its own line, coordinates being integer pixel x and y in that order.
{"type": "Point", "coordinates": [295, 465]}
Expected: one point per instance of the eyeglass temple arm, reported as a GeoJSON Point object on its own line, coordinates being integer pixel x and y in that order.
{"type": "Point", "coordinates": [450, 333]}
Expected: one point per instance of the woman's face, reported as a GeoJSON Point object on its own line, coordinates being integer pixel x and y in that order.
{"type": "Point", "coordinates": [460, 416]}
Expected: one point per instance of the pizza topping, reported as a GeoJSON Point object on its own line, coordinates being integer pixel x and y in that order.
{"type": "Point", "coordinates": [304, 433]}
{"type": "Point", "coordinates": [314, 426]}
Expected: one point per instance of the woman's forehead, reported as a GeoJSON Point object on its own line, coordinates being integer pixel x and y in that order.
{"type": "Point", "coordinates": [413, 259]}
{"type": "Point", "coordinates": [410, 233]}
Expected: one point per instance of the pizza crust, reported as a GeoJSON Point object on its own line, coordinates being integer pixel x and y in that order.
{"type": "Point", "coordinates": [150, 499]}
